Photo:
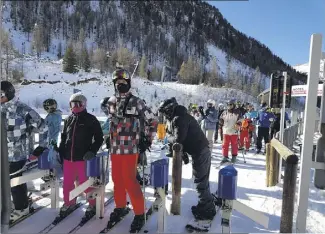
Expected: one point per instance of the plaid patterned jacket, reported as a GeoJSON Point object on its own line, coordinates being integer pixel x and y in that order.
{"type": "Point", "coordinates": [126, 126]}
{"type": "Point", "coordinates": [21, 122]}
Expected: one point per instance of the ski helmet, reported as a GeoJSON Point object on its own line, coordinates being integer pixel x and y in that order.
{"type": "Point", "coordinates": [212, 102]}
{"type": "Point", "coordinates": [121, 74]}
{"type": "Point", "coordinates": [167, 107]}
{"type": "Point", "coordinates": [50, 105]}
{"type": "Point", "coordinates": [78, 102]}
{"type": "Point", "coordinates": [231, 104]}
{"type": "Point", "coordinates": [221, 106]}
{"type": "Point", "coordinates": [8, 89]}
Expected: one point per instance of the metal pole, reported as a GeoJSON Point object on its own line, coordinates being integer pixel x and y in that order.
{"type": "Point", "coordinates": [282, 119]}
{"type": "Point", "coordinates": [308, 138]}
{"type": "Point", "coordinates": [5, 180]}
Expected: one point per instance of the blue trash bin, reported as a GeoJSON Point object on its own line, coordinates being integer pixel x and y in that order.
{"type": "Point", "coordinates": [159, 173]}
{"type": "Point", "coordinates": [227, 184]}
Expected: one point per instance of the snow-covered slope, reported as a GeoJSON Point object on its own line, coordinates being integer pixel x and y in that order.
{"type": "Point", "coordinates": [44, 71]}
{"type": "Point", "coordinates": [304, 67]}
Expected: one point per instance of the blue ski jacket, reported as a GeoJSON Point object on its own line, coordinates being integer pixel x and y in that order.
{"type": "Point", "coordinates": [265, 118]}
{"type": "Point", "coordinates": [105, 127]}
{"type": "Point", "coordinates": [53, 122]}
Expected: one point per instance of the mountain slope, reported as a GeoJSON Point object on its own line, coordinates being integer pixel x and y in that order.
{"type": "Point", "coordinates": [303, 68]}
{"type": "Point", "coordinates": [165, 31]}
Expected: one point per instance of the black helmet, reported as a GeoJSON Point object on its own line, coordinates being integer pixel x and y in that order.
{"type": "Point", "coordinates": [103, 105]}
{"type": "Point", "coordinates": [8, 89]}
{"type": "Point", "coordinates": [50, 105]}
{"type": "Point", "coordinates": [167, 107]}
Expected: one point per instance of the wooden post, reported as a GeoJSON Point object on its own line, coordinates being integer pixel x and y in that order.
{"type": "Point", "coordinates": [289, 192]}
{"type": "Point", "coordinates": [268, 159]}
{"type": "Point", "coordinates": [176, 179]}
{"type": "Point", "coordinates": [273, 166]}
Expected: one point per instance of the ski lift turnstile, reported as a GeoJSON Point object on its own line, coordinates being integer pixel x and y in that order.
{"type": "Point", "coordinates": [97, 174]}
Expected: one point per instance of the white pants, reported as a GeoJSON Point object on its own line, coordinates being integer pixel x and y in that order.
{"type": "Point", "coordinates": [210, 136]}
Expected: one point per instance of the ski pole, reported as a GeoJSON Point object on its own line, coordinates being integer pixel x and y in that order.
{"type": "Point", "coordinates": [136, 66]}
{"type": "Point", "coordinates": [144, 187]}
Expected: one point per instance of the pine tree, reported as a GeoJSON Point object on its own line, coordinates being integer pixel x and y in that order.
{"type": "Point", "coordinates": [38, 44]}
{"type": "Point", "coordinates": [69, 61]}
{"type": "Point", "coordinates": [143, 67]}
{"type": "Point", "coordinates": [85, 60]}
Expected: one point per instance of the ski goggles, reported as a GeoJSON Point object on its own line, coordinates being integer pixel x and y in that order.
{"type": "Point", "coordinates": [50, 107]}
{"type": "Point", "coordinates": [75, 104]}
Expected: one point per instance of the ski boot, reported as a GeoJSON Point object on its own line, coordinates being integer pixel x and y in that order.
{"type": "Point", "coordinates": [234, 159]}
{"type": "Point", "coordinates": [204, 212]}
{"type": "Point", "coordinates": [118, 214]}
{"type": "Point", "coordinates": [18, 214]}
{"type": "Point", "coordinates": [224, 160]}
{"type": "Point", "coordinates": [137, 223]}
{"type": "Point", "coordinates": [65, 210]}
{"type": "Point", "coordinates": [90, 212]}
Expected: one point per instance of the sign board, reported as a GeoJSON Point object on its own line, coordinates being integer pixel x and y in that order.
{"type": "Point", "coordinates": [301, 90]}
{"type": "Point", "coordinates": [276, 94]}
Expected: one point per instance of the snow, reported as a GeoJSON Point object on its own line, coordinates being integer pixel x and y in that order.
{"type": "Point", "coordinates": [251, 191]}
{"type": "Point", "coordinates": [304, 68]}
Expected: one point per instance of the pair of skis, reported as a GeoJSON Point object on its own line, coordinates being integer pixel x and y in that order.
{"type": "Point", "coordinates": [150, 211]}
{"type": "Point", "coordinates": [58, 219]}
{"type": "Point", "coordinates": [32, 210]}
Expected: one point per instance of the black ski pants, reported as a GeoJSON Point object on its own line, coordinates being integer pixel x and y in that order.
{"type": "Point", "coordinates": [19, 192]}
{"type": "Point", "coordinates": [263, 133]}
{"type": "Point", "coordinates": [201, 164]}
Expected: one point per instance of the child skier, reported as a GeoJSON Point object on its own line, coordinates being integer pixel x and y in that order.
{"type": "Point", "coordinates": [81, 138]}
{"type": "Point", "coordinates": [244, 138]}
{"type": "Point", "coordinates": [21, 121]}
{"type": "Point", "coordinates": [125, 133]}
{"type": "Point", "coordinates": [230, 122]}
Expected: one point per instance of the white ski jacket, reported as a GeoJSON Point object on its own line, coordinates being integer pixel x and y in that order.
{"type": "Point", "coordinates": [229, 120]}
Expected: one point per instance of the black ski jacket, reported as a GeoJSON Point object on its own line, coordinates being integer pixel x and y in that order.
{"type": "Point", "coordinates": [81, 133]}
{"type": "Point", "coordinates": [184, 129]}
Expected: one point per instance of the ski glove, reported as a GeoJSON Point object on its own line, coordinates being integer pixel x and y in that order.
{"type": "Point", "coordinates": [89, 155]}
{"type": "Point", "coordinates": [38, 151]}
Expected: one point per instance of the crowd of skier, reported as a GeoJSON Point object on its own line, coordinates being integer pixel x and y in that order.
{"type": "Point", "coordinates": [128, 133]}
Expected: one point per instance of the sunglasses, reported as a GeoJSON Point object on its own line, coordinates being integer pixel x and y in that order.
{"type": "Point", "coordinates": [75, 104]}
{"type": "Point", "coordinates": [50, 107]}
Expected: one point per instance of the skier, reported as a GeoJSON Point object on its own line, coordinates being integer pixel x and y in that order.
{"type": "Point", "coordinates": [184, 129]}
{"type": "Point", "coordinates": [265, 117]}
{"type": "Point", "coordinates": [240, 108]}
{"type": "Point", "coordinates": [201, 119]}
{"type": "Point", "coordinates": [252, 115]}
{"type": "Point", "coordinates": [218, 126]}
{"type": "Point", "coordinates": [125, 147]}
{"type": "Point", "coordinates": [21, 121]}
{"type": "Point", "coordinates": [210, 121]}
{"type": "Point", "coordinates": [81, 138]}
{"type": "Point", "coordinates": [53, 122]}
{"type": "Point", "coordinates": [244, 138]}
{"type": "Point", "coordinates": [230, 122]}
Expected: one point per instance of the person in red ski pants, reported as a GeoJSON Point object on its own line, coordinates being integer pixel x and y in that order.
{"type": "Point", "coordinates": [244, 138]}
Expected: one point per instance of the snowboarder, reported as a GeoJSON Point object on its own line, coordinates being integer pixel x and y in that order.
{"type": "Point", "coordinates": [125, 146]}
{"type": "Point", "coordinates": [182, 128]}
{"type": "Point", "coordinates": [21, 121]}
{"type": "Point", "coordinates": [230, 122]}
{"type": "Point", "coordinates": [265, 117]}
{"type": "Point", "coordinates": [220, 110]}
{"type": "Point", "coordinates": [210, 122]}
{"type": "Point", "coordinates": [81, 138]}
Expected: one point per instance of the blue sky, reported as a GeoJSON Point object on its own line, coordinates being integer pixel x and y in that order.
{"type": "Point", "coordinates": [285, 26]}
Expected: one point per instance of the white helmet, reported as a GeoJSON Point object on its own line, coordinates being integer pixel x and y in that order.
{"type": "Point", "coordinates": [221, 106]}
{"type": "Point", "coordinates": [210, 101]}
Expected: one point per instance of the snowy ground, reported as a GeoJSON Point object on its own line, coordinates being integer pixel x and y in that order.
{"type": "Point", "coordinates": [251, 191]}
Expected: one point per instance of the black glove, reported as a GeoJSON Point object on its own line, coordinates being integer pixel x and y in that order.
{"type": "Point", "coordinates": [185, 158]}
{"type": "Point", "coordinates": [144, 143]}
{"type": "Point", "coordinates": [38, 151]}
{"type": "Point", "coordinates": [108, 143]}
{"type": "Point", "coordinates": [89, 155]}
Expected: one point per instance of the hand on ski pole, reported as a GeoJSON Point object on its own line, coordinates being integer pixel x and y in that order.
{"type": "Point", "coordinates": [38, 151]}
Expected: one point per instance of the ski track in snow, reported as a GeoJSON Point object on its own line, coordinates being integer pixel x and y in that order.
{"type": "Point", "coordinates": [251, 191]}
